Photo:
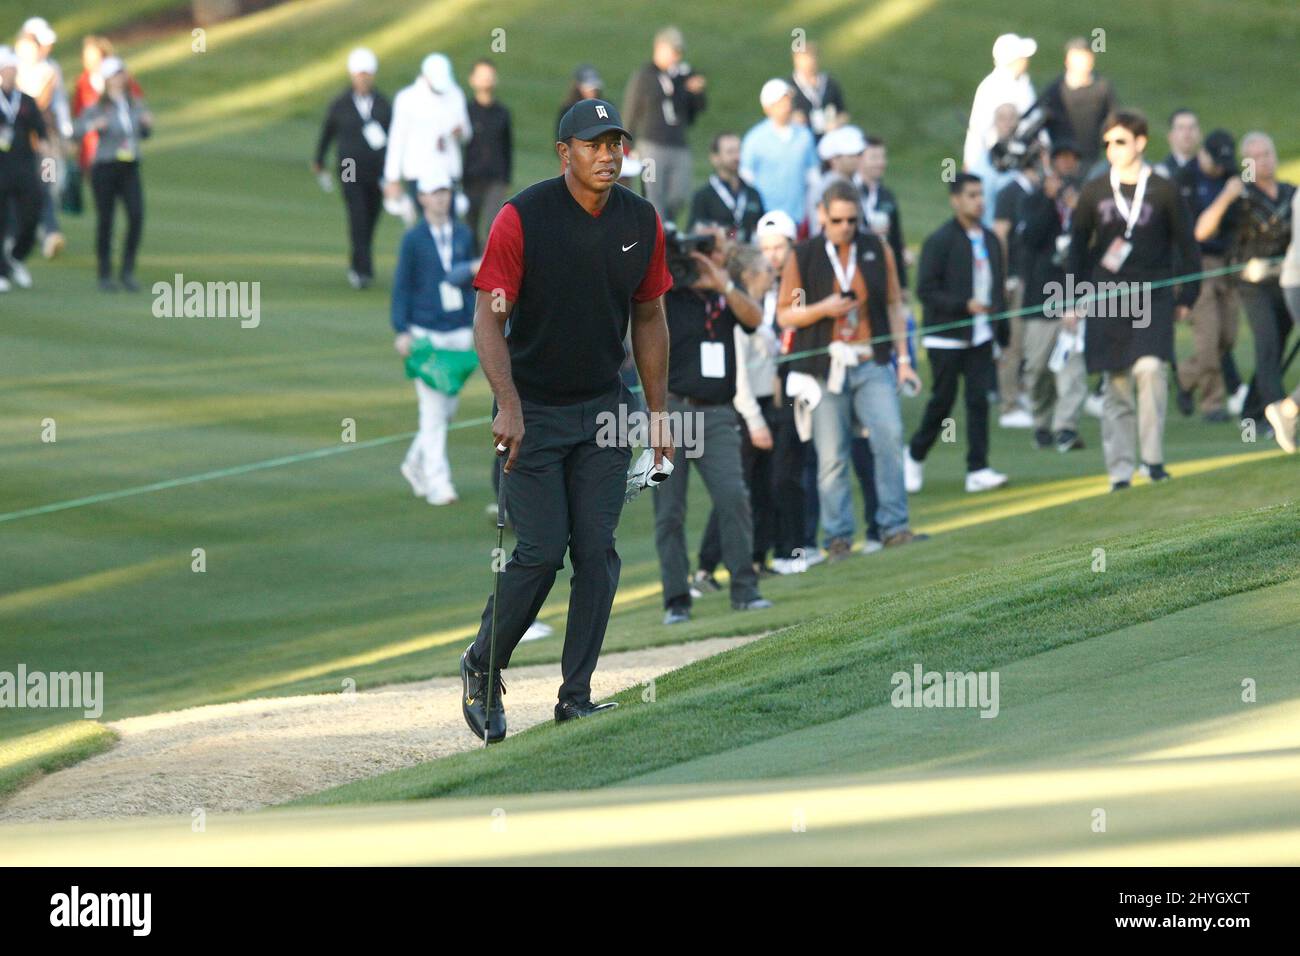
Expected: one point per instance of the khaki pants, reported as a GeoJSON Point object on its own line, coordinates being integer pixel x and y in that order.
{"type": "Point", "coordinates": [1011, 357]}
{"type": "Point", "coordinates": [1126, 424]}
{"type": "Point", "coordinates": [1214, 321]}
{"type": "Point", "coordinates": [1056, 397]}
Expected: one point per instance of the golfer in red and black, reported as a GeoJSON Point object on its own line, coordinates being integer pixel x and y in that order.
{"type": "Point", "coordinates": [567, 261]}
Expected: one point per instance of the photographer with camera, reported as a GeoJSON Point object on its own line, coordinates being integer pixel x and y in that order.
{"type": "Point", "coordinates": [1057, 389]}
{"type": "Point", "coordinates": [703, 308]}
{"type": "Point", "coordinates": [1217, 310]}
{"type": "Point", "coordinates": [840, 295]}
{"type": "Point", "coordinates": [1260, 227]}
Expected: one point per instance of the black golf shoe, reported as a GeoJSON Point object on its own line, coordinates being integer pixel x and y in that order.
{"type": "Point", "coordinates": [473, 701]}
{"type": "Point", "coordinates": [571, 710]}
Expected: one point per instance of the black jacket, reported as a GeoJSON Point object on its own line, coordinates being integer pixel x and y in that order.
{"type": "Point", "coordinates": [945, 282]}
{"type": "Point", "coordinates": [644, 112]}
{"type": "Point", "coordinates": [344, 124]}
{"type": "Point", "coordinates": [489, 155]}
{"type": "Point", "coordinates": [887, 204]}
{"type": "Point", "coordinates": [1040, 225]}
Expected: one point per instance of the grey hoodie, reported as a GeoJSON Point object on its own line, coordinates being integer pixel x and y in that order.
{"type": "Point", "coordinates": [124, 130]}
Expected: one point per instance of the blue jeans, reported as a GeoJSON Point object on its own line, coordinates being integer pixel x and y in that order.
{"type": "Point", "coordinates": [870, 396]}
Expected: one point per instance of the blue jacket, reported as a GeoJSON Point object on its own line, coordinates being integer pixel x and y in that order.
{"type": "Point", "coordinates": [416, 296]}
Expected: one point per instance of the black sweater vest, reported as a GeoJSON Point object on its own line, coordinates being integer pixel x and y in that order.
{"type": "Point", "coordinates": [580, 271]}
{"type": "Point", "coordinates": [819, 281]}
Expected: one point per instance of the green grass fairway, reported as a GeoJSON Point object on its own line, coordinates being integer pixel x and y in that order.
{"type": "Point", "coordinates": [837, 668]}
{"type": "Point", "coordinates": [323, 572]}
{"type": "Point", "coordinates": [1171, 688]}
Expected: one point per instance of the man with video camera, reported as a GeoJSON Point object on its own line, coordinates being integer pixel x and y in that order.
{"type": "Point", "coordinates": [703, 309]}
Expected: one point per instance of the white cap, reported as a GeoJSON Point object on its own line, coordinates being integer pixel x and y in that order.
{"type": "Point", "coordinates": [1010, 47]}
{"type": "Point", "coordinates": [362, 60]}
{"type": "Point", "coordinates": [772, 91]}
{"type": "Point", "coordinates": [777, 222]}
{"type": "Point", "coordinates": [841, 141]}
{"type": "Point", "coordinates": [8, 57]}
{"type": "Point", "coordinates": [40, 28]}
{"type": "Point", "coordinates": [111, 66]}
{"type": "Point", "coordinates": [434, 180]}
{"type": "Point", "coordinates": [436, 68]}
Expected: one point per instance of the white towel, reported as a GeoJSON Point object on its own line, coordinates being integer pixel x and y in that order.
{"type": "Point", "coordinates": [806, 394]}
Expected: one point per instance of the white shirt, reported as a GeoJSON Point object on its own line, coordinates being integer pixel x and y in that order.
{"type": "Point", "coordinates": [999, 87]}
{"type": "Point", "coordinates": [420, 118]}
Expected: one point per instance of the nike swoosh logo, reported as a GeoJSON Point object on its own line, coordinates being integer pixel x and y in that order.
{"type": "Point", "coordinates": [626, 248]}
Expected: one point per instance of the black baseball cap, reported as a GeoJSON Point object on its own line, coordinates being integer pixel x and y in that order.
{"type": "Point", "coordinates": [587, 119]}
{"type": "Point", "coordinates": [1222, 148]}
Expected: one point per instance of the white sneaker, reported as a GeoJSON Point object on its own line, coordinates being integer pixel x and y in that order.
{"type": "Point", "coordinates": [789, 565]}
{"type": "Point", "coordinates": [53, 245]}
{"type": "Point", "coordinates": [1093, 405]}
{"type": "Point", "coordinates": [1237, 400]}
{"type": "Point", "coordinates": [1284, 426]}
{"type": "Point", "coordinates": [414, 480]}
{"type": "Point", "coordinates": [22, 278]}
{"type": "Point", "coordinates": [442, 495]}
{"type": "Point", "coordinates": [986, 479]}
{"type": "Point", "coordinates": [811, 557]}
{"type": "Point", "coordinates": [913, 472]}
{"type": "Point", "coordinates": [1016, 418]}
{"type": "Point", "coordinates": [536, 631]}
{"type": "Point", "coordinates": [4, 284]}
{"type": "Point", "coordinates": [871, 546]}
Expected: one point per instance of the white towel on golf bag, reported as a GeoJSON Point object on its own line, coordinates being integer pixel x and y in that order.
{"type": "Point", "coordinates": [645, 474]}
{"type": "Point", "coordinates": [806, 394]}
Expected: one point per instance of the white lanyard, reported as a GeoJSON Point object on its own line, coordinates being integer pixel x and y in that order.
{"type": "Point", "coordinates": [1130, 214]}
{"type": "Point", "coordinates": [10, 106]}
{"type": "Point", "coordinates": [728, 200]}
{"type": "Point", "coordinates": [843, 277]}
{"type": "Point", "coordinates": [871, 197]}
{"type": "Point", "coordinates": [365, 105]}
{"type": "Point", "coordinates": [815, 94]}
{"type": "Point", "coordinates": [123, 115]}
{"type": "Point", "coordinates": [444, 250]}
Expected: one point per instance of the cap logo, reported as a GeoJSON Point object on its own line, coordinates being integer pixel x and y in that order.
{"type": "Point", "coordinates": [602, 112]}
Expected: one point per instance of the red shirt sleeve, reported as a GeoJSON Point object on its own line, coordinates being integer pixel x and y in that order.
{"type": "Point", "coordinates": [503, 258]}
{"type": "Point", "coordinates": [657, 279]}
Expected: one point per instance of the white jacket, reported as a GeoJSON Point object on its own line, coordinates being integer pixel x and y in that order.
{"type": "Point", "coordinates": [420, 118]}
{"type": "Point", "coordinates": [999, 87]}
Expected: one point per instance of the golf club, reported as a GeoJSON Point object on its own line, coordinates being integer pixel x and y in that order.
{"type": "Point", "coordinates": [496, 595]}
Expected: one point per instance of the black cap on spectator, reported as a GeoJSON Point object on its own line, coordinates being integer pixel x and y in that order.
{"type": "Point", "coordinates": [1222, 148]}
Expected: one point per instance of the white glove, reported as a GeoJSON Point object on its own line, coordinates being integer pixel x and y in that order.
{"type": "Point", "coordinates": [645, 474]}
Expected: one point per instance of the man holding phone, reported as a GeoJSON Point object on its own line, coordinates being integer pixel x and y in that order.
{"type": "Point", "coordinates": [841, 296]}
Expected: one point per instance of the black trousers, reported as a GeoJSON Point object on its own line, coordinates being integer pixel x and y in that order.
{"type": "Point", "coordinates": [756, 466]}
{"type": "Point", "coordinates": [1270, 324]}
{"type": "Point", "coordinates": [20, 211]}
{"type": "Point", "coordinates": [947, 366]}
{"type": "Point", "coordinates": [565, 493]}
{"type": "Point", "coordinates": [364, 201]}
{"type": "Point", "coordinates": [788, 454]}
{"type": "Point", "coordinates": [112, 181]}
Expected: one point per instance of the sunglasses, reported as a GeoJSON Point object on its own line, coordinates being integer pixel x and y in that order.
{"type": "Point", "coordinates": [852, 220]}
